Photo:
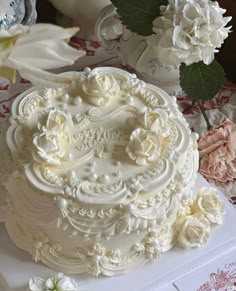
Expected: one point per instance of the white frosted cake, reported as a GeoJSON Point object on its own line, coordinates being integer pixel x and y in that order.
{"type": "Point", "coordinates": [100, 169]}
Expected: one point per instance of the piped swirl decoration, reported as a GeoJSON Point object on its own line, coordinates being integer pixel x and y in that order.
{"type": "Point", "coordinates": [56, 134]}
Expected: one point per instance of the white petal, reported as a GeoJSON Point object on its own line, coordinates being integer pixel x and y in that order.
{"type": "Point", "coordinates": [42, 46]}
{"type": "Point", "coordinates": [45, 54]}
{"type": "Point", "coordinates": [181, 39]}
{"type": "Point", "coordinates": [40, 32]}
{"type": "Point", "coordinates": [49, 283]}
{"type": "Point", "coordinates": [207, 55]}
{"type": "Point", "coordinates": [36, 284]}
{"type": "Point", "coordinates": [13, 30]}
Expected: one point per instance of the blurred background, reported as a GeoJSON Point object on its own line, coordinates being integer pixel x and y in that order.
{"type": "Point", "coordinates": [48, 13]}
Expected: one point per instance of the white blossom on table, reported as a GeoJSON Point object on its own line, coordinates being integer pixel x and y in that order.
{"type": "Point", "coordinates": [59, 282]}
{"type": "Point", "coordinates": [31, 50]}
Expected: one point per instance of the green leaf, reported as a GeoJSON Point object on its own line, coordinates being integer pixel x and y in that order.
{"type": "Point", "coordinates": [138, 15]}
{"type": "Point", "coordinates": [8, 73]}
{"type": "Point", "coordinates": [201, 81]}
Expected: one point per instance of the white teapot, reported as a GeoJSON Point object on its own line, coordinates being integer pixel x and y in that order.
{"type": "Point", "coordinates": [17, 11]}
{"type": "Point", "coordinates": [136, 52]}
{"type": "Point", "coordinates": [83, 13]}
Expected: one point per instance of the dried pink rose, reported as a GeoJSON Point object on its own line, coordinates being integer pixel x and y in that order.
{"type": "Point", "coordinates": [217, 151]}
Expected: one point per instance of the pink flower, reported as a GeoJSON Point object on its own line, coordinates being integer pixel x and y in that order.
{"type": "Point", "coordinates": [217, 151]}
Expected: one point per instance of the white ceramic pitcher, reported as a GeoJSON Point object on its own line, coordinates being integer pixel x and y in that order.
{"type": "Point", "coordinates": [84, 13]}
{"type": "Point", "coordinates": [136, 51]}
{"type": "Point", "coordinates": [17, 11]}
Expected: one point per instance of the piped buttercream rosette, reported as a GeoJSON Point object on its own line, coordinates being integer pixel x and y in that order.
{"type": "Point", "coordinates": [51, 135]}
{"type": "Point", "coordinates": [195, 218]}
{"type": "Point", "coordinates": [99, 88]}
{"type": "Point", "coordinates": [148, 141]}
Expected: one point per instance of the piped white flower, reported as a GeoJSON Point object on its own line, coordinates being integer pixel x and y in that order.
{"type": "Point", "coordinates": [47, 148]}
{"type": "Point", "coordinates": [208, 203]}
{"type": "Point", "coordinates": [100, 87]}
{"type": "Point", "coordinates": [33, 49]}
{"type": "Point", "coordinates": [144, 147]}
{"type": "Point", "coordinates": [194, 231]}
{"type": "Point", "coordinates": [56, 120]}
{"type": "Point", "coordinates": [155, 120]}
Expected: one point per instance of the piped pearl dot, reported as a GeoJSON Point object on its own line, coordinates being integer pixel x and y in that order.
{"type": "Point", "coordinates": [72, 174]}
{"type": "Point", "coordinates": [96, 258]}
{"type": "Point", "coordinates": [155, 243]}
{"type": "Point", "coordinates": [104, 179]}
{"type": "Point", "coordinates": [142, 83]}
{"type": "Point", "coordinates": [74, 233]}
{"type": "Point", "coordinates": [195, 135]}
{"type": "Point", "coordinates": [77, 118]}
{"type": "Point", "coordinates": [65, 227]}
{"type": "Point", "coordinates": [46, 101]}
{"type": "Point", "coordinates": [143, 109]}
{"type": "Point", "coordinates": [70, 156]}
{"type": "Point", "coordinates": [67, 190]}
{"type": "Point", "coordinates": [130, 100]}
{"type": "Point", "coordinates": [64, 106]}
{"type": "Point", "coordinates": [62, 203]}
{"type": "Point", "coordinates": [119, 174]}
{"type": "Point", "coordinates": [100, 155]}
{"type": "Point", "coordinates": [78, 100]}
{"type": "Point", "coordinates": [66, 97]}
{"type": "Point", "coordinates": [87, 70]}
{"type": "Point", "coordinates": [93, 164]}
{"type": "Point", "coordinates": [118, 163]}
{"type": "Point", "coordinates": [93, 177]}
{"type": "Point", "coordinates": [15, 174]}
{"type": "Point", "coordinates": [129, 207]}
{"type": "Point", "coordinates": [38, 244]}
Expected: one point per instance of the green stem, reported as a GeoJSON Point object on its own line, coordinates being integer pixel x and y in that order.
{"type": "Point", "coordinates": [209, 127]}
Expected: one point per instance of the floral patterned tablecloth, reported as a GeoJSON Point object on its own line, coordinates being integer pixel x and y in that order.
{"type": "Point", "coordinates": [223, 106]}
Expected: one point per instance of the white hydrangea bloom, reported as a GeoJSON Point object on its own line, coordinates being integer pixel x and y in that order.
{"type": "Point", "coordinates": [189, 31]}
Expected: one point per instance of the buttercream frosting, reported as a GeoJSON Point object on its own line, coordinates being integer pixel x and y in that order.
{"type": "Point", "coordinates": [102, 168]}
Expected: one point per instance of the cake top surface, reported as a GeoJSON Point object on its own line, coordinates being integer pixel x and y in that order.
{"type": "Point", "coordinates": [104, 139]}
